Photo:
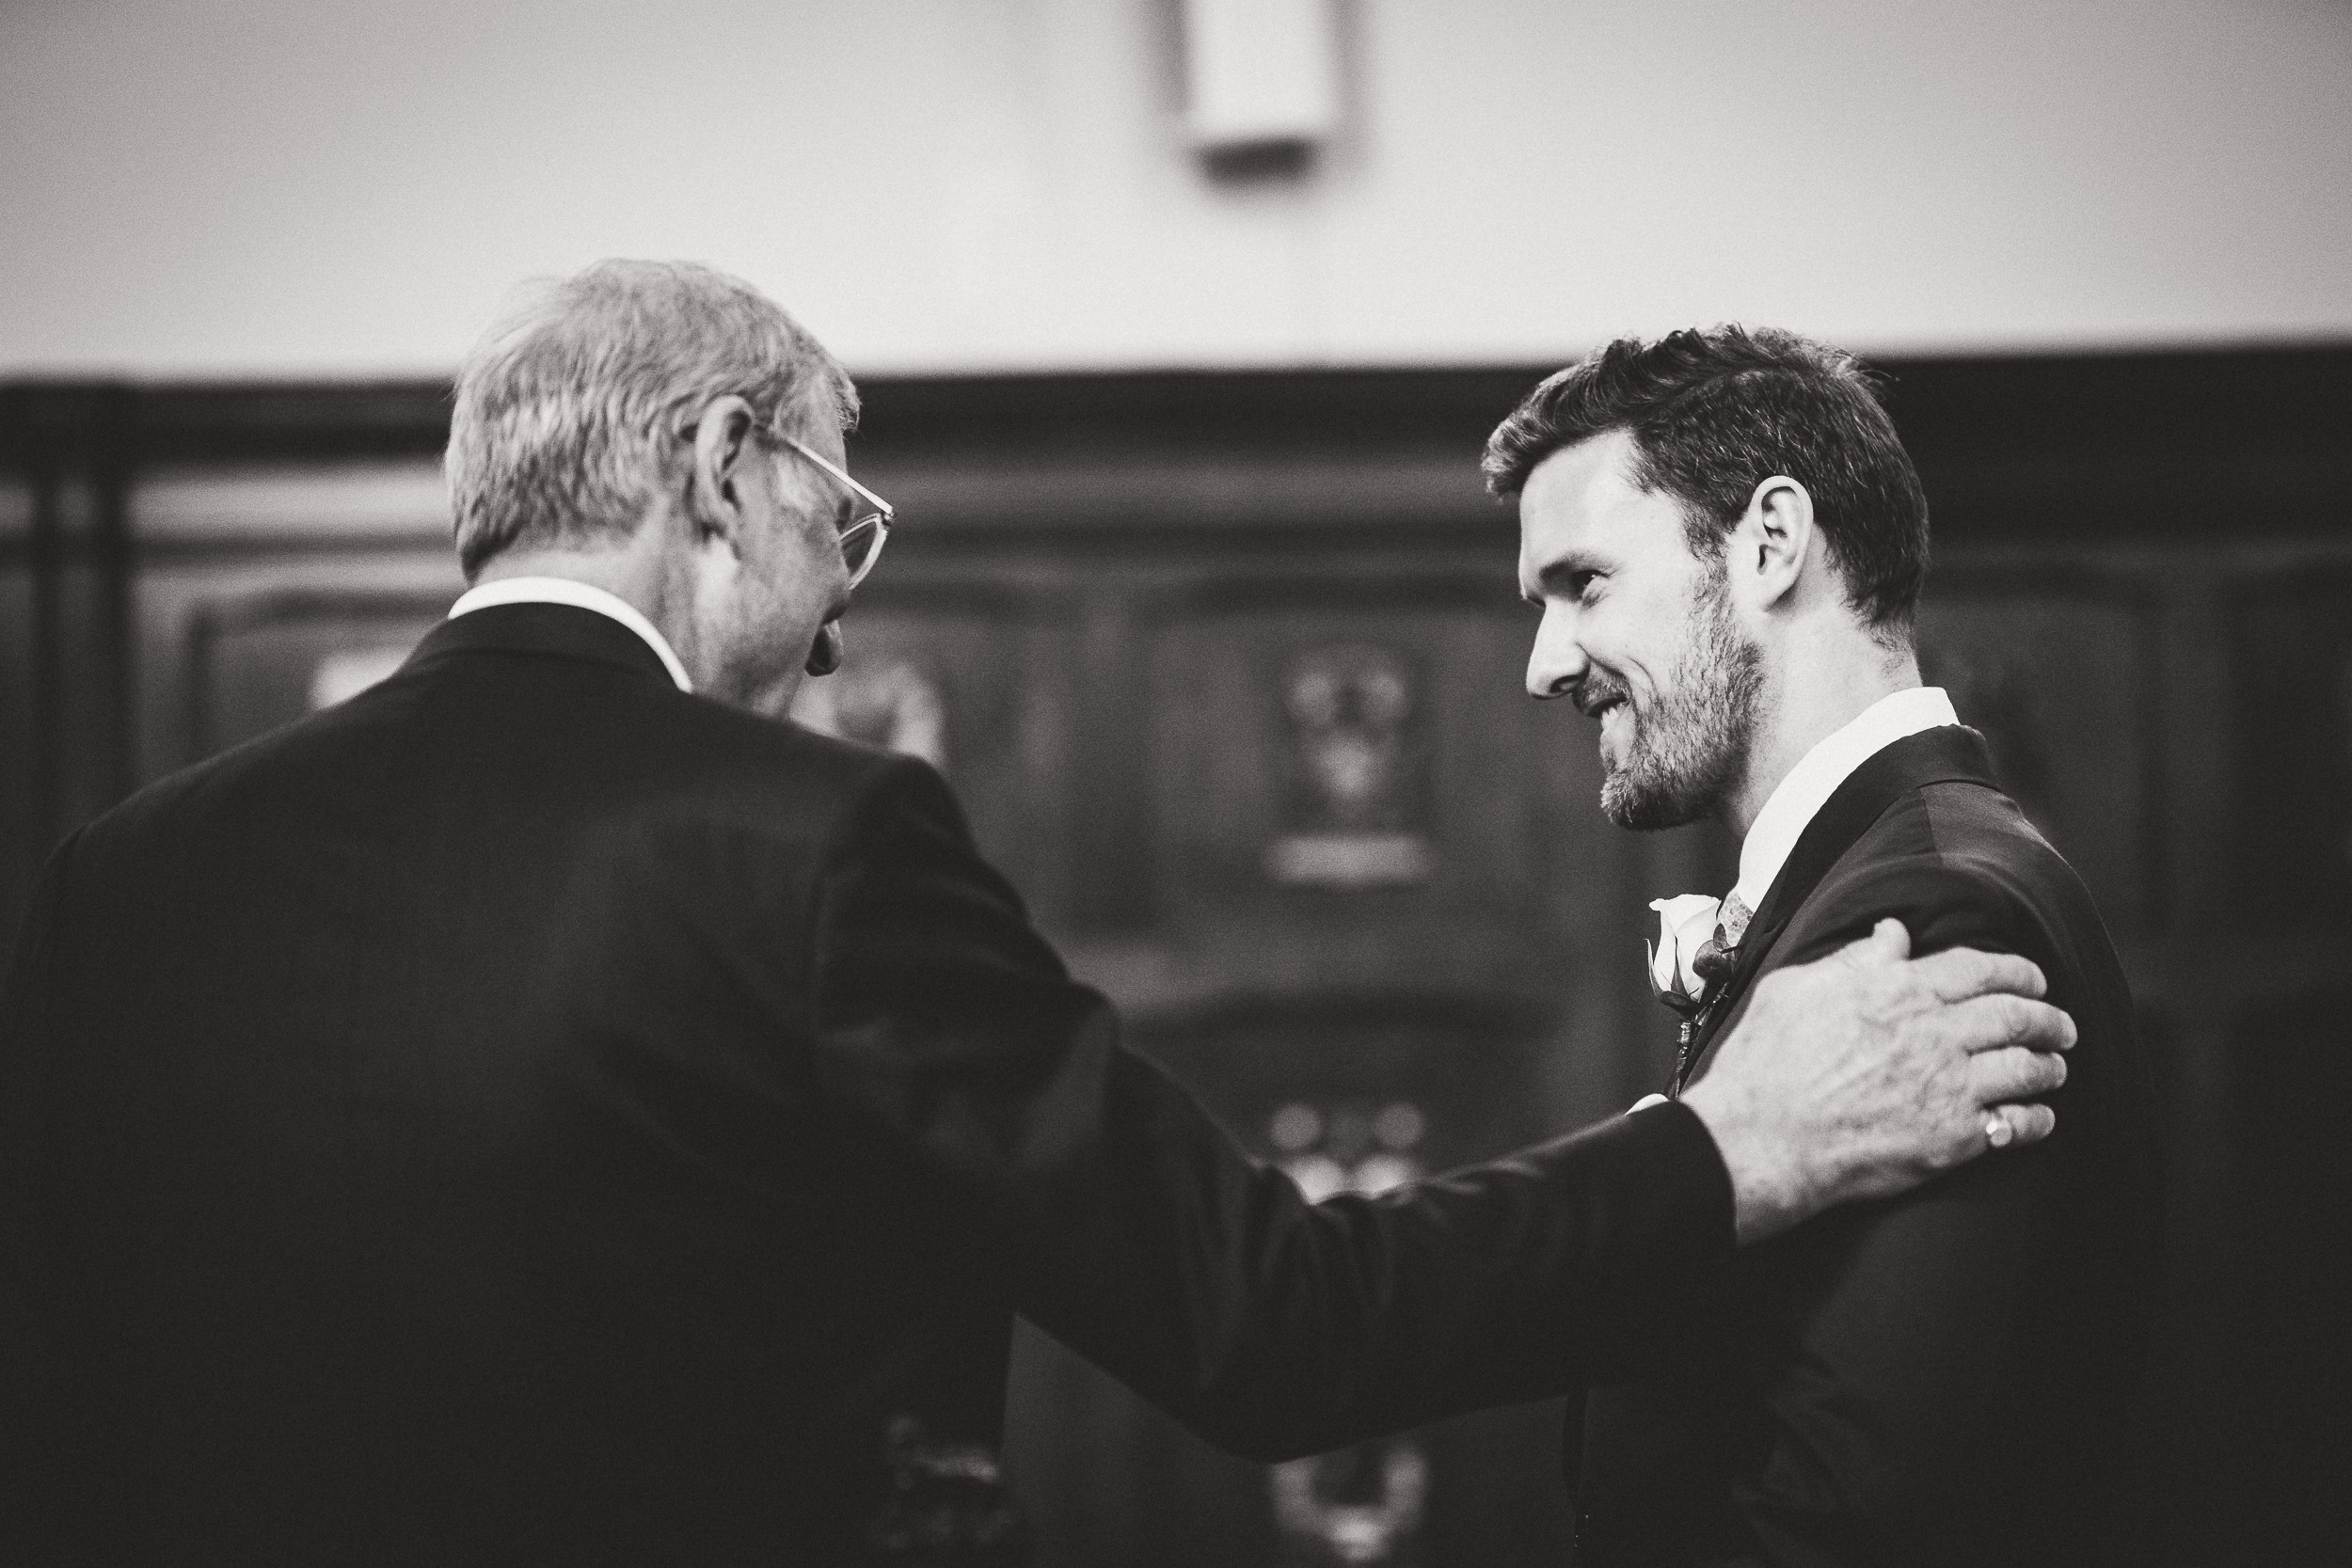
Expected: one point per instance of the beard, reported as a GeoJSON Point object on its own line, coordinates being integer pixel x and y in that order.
{"type": "Point", "coordinates": [1689, 749]}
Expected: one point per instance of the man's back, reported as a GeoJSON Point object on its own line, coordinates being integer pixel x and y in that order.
{"type": "Point", "coordinates": [1943, 1377]}
{"type": "Point", "coordinates": [423, 1155]}
{"type": "Point", "coordinates": [531, 1114]}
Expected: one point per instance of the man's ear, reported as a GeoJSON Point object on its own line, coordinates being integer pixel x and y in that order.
{"type": "Point", "coordinates": [1773, 539]}
{"type": "Point", "coordinates": [723, 437]}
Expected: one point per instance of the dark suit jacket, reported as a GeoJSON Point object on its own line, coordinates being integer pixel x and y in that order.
{"type": "Point", "coordinates": [529, 1114]}
{"type": "Point", "coordinates": [1939, 1378]}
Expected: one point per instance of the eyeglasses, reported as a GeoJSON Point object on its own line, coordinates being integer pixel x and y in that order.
{"type": "Point", "coordinates": [861, 541]}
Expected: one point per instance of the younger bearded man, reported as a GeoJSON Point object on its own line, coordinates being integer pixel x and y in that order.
{"type": "Point", "coordinates": [1727, 541]}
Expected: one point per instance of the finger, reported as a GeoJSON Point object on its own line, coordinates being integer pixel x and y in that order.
{"type": "Point", "coordinates": [2013, 1073]}
{"type": "Point", "coordinates": [2039, 1025]}
{"type": "Point", "coordinates": [1958, 974]}
{"type": "Point", "coordinates": [1887, 940]}
{"type": "Point", "coordinates": [1998, 1020]}
{"type": "Point", "coordinates": [2027, 1124]}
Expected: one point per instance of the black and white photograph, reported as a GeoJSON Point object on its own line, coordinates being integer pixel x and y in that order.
{"type": "Point", "coordinates": [1175, 784]}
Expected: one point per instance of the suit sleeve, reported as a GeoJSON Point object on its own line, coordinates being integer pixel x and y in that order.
{"type": "Point", "coordinates": [1133, 1229]}
{"type": "Point", "coordinates": [1892, 1367]}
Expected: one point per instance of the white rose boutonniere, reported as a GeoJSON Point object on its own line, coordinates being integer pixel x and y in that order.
{"type": "Point", "coordinates": [1686, 925]}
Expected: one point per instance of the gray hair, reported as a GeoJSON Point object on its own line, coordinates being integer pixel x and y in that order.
{"type": "Point", "coordinates": [569, 411]}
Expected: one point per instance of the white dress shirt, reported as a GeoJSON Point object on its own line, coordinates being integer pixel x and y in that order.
{"type": "Point", "coordinates": [579, 595]}
{"type": "Point", "coordinates": [1817, 774]}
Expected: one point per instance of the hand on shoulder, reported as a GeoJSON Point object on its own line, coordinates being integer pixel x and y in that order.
{"type": "Point", "coordinates": [1864, 1073]}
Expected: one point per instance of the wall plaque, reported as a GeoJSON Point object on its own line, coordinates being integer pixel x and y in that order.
{"type": "Point", "coordinates": [1356, 796]}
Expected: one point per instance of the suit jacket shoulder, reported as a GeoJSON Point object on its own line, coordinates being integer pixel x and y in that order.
{"type": "Point", "coordinates": [1959, 865]}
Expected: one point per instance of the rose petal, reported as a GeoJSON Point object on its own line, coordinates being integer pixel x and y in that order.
{"type": "Point", "coordinates": [1682, 906]}
{"type": "Point", "coordinates": [1684, 923]}
{"type": "Point", "coordinates": [1691, 935]}
{"type": "Point", "coordinates": [1660, 964]}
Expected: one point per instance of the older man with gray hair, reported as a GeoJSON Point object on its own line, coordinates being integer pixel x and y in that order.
{"type": "Point", "coordinates": [547, 1109]}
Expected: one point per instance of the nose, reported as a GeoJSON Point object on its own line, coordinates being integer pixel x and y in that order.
{"type": "Point", "coordinates": [1557, 661]}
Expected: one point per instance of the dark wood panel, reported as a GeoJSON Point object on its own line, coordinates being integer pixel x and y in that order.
{"type": "Point", "coordinates": [2053, 667]}
{"type": "Point", "coordinates": [977, 683]}
{"type": "Point", "coordinates": [258, 664]}
{"type": "Point", "coordinates": [235, 642]}
{"type": "Point", "coordinates": [2290, 733]}
{"type": "Point", "coordinates": [1342, 782]}
{"type": "Point", "coordinates": [2181, 444]}
{"type": "Point", "coordinates": [20, 837]}
{"type": "Point", "coordinates": [2294, 1212]}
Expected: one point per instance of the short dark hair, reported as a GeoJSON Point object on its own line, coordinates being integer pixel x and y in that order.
{"type": "Point", "coordinates": [1713, 413]}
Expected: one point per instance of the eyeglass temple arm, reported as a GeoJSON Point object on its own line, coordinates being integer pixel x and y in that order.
{"type": "Point", "coordinates": [887, 511]}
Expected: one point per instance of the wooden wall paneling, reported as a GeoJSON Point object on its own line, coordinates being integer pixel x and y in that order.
{"type": "Point", "coordinates": [1247, 790]}
{"type": "Point", "coordinates": [2052, 663]}
{"type": "Point", "coordinates": [233, 647]}
{"type": "Point", "coordinates": [974, 678]}
{"type": "Point", "coordinates": [2150, 1518]}
{"type": "Point", "coordinates": [2293, 1214]}
{"type": "Point", "coordinates": [68, 448]}
{"type": "Point", "coordinates": [295, 504]}
{"type": "Point", "coordinates": [2188, 446]}
{"type": "Point", "coordinates": [87, 696]}
{"type": "Point", "coordinates": [1129, 485]}
{"type": "Point", "coordinates": [19, 774]}
{"type": "Point", "coordinates": [2188, 981]}
{"type": "Point", "coordinates": [2253, 655]}
{"type": "Point", "coordinates": [259, 662]}
{"type": "Point", "coordinates": [258, 580]}
{"type": "Point", "coordinates": [66, 680]}
{"type": "Point", "coordinates": [1111, 763]}
{"type": "Point", "coordinates": [2291, 750]}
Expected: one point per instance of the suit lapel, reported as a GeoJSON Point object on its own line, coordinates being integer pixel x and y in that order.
{"type": "Point", "coordinates": [1946, 754]}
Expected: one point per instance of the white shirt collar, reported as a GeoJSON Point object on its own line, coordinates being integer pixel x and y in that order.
{"type": "Point", "coordinates": [579, 595]}
{"type": "Point", "coordinates": [1817, 774]}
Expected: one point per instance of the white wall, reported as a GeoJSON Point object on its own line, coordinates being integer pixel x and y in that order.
{"type": "Point", "coordinates": [297, 187]}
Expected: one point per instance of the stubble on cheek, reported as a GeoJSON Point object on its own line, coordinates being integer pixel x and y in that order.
{"type": "Point", "coordinates": [1688, 746]}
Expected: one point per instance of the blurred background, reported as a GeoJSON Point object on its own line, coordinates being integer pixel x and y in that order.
{"type": "Point", "coordinates": [1179, 323]}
